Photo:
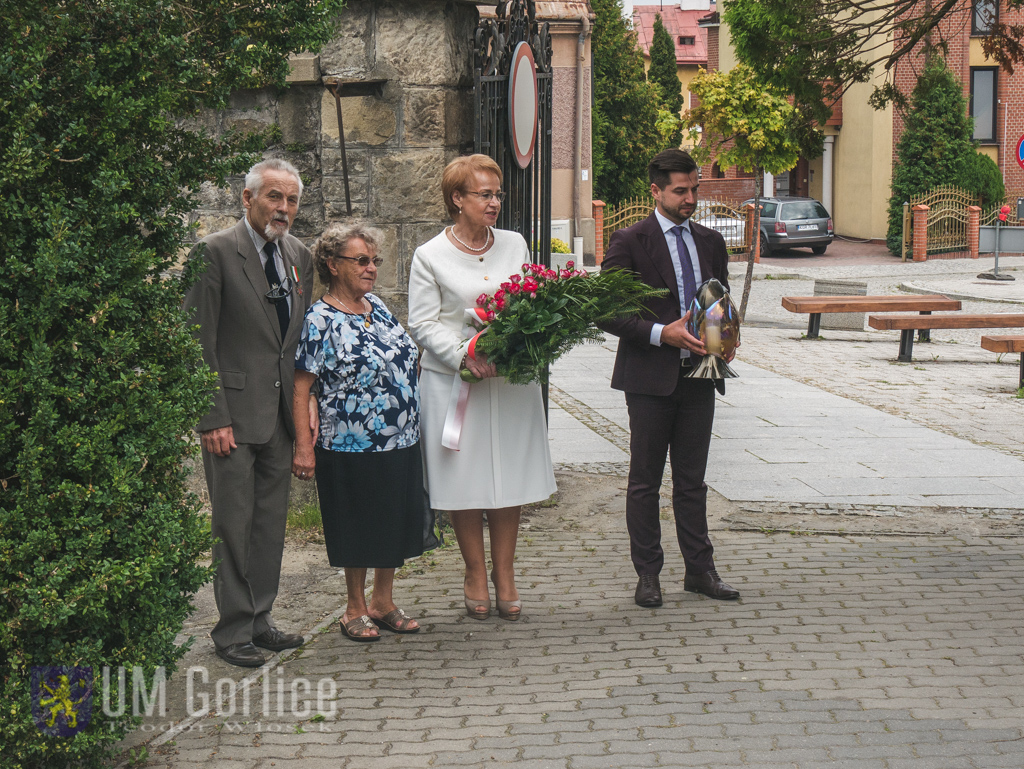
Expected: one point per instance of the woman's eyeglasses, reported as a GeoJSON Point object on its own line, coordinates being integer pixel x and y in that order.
{"type": "Point", "coordinates": [488, 196]}
{"type": "Point", "coordinates": [364, 260]}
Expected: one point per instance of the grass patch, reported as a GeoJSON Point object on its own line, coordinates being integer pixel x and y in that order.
{"type": "Point", "coordinates": [305, 523]}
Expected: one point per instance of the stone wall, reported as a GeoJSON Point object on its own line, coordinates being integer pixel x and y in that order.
{"type": "Point", "coordinates": [413, 58]}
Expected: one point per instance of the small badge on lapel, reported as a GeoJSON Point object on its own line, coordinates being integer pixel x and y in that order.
{"type": "Point", "coordinates": [295, 277]}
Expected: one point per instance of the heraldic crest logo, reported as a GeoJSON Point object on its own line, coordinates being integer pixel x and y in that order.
{"type": "Point", "coordinates": [61, 699]}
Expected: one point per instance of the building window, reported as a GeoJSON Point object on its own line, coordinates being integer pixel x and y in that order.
{"type": "Point", "coordinates": [983, 103]}
{"type": "Point", "coordinates": [686, 40]}
{"type": "Point", "coordinates": [984, 16]}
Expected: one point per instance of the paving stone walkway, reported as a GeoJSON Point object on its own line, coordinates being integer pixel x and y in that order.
{"type": "Point", "coordinates": [846, 652]}
{"type": "Point", "coordinates": [869, 512]}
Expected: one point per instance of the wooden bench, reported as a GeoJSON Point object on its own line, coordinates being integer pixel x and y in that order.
{"type": "Point", "coordinates": [816, 305]}
{"type": "Point", "coordinates": [1007, 344]}
{"type": "Point", "coordinates": [906, 324]}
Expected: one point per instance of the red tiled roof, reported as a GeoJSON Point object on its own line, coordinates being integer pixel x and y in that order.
{"type": "Point", "coordinates": [679, 24]}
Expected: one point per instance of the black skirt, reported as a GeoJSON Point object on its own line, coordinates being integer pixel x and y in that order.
{"type": "Point", "coordinates": [373, 506]}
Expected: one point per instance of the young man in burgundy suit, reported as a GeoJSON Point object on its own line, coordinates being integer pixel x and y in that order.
{"type": "Point", "coordinates": [668, 412]}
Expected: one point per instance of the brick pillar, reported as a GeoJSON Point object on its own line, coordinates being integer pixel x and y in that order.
{"type": "Point", "coordinates": [973, 225]}
{"type": "Point", "coordinates": [753, 233]}
{"type": "Point", "coordinates": [599, 232]}
{"type": "Point", "coordinates": [920, 250]}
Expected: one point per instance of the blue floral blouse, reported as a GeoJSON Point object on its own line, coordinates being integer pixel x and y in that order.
{"type": "Point", "coordinates": [369, 393]}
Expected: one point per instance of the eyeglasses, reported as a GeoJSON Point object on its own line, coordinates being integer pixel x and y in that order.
{"type": "Point", "coordinates": [487, 197]}
{"type": "Point", "coordinates": [364, 260]}
{"type": "Point", "coordinates": [280, 291]}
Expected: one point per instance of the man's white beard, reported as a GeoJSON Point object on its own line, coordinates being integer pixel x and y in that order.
{"type": "Point", "coordinates": [274, 234]}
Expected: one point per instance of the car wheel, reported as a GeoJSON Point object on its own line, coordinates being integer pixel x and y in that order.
{"type": "Point", "coordinates": [818, 250]}
{"type": "Point", "coordinates": [766, 249]}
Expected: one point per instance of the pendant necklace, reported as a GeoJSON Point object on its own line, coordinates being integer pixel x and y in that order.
{"type": "Point", "coordinates": [366, 315]}
{"type": "Point", "coordinates": [487, 241]}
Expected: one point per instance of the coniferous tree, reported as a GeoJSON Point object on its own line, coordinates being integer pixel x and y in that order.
{"type": "Point", "coordinates": [663, 73]}
{"type": "Point", "coordinates": [626, 108]}
{"type": "Point", "coordinates": [936, 146]}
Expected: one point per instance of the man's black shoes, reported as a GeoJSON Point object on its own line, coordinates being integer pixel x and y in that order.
{"type": "Point", "coordinates": [243, 655]}
{"type": "Point", "coordinates": [276, 641]}
{"type": "Point", "coordinates": [709, 584]}
{"type": "Point", "coordinates": [648, 591]}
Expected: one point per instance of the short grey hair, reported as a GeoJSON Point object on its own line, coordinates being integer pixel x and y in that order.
{"type": "Point", "coordinates": [335, 239]}
{"type": "Point", "coordinates": [254, 178]}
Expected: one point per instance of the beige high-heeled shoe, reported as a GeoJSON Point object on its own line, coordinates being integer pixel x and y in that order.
{"type": "Point", "coordinates": [507, 610]}
{"type": "Point", "coordinates": [477, 608]}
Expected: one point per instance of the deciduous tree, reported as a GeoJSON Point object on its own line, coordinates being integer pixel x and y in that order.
{"type": "Point", "coordinates": [815, 49]}
{"type": "Point", "coordinates": [748, 123]}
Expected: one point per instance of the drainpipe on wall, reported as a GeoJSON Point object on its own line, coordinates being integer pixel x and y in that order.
{"type": "Point", "coordinates": [577, 184]}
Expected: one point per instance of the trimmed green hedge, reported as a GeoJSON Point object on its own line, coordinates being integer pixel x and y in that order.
{"type": "Point", "coordinates": [101, 380]}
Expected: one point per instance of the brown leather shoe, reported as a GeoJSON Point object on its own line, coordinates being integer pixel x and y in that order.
{"type": "Point", "coordinates": [711, 585]}
{"type": "Point", "coordinates": [648, 591]}
{"type": "Point", "coordinates": [243, 655]}
{"type": "Point", "coordinates": [277, 641]}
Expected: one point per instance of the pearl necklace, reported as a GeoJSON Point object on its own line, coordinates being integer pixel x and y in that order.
{"type": "Point", "coordinates": [487, 241]}
{"type": "Point", "coordinates": [366, 315]}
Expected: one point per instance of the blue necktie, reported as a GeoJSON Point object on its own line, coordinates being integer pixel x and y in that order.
{"type": "Point", "coordinates": [686, 267]}
{"type": "Point", "coordinates": [273, 280]}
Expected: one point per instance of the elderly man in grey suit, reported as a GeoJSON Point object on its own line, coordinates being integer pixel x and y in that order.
{"type": "Point", "coordinates": [249, 304]}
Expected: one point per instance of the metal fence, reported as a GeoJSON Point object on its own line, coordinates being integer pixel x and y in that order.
{"type": "Point", "coordinates": [718, 215]}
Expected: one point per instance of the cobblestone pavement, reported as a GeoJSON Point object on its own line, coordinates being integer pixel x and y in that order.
{"type": "Point", "coordinates": [867, 635]}
{"type": "Point", "coordinates": [847, 652]}
{"type": "Point", "coordinates": [953, 385]}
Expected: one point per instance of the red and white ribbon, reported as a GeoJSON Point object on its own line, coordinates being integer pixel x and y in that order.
{"type": "Point", "coordinates": [459, 399]}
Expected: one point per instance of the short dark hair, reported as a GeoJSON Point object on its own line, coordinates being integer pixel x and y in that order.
{"type": "Point", "coordinates": [662, 165]}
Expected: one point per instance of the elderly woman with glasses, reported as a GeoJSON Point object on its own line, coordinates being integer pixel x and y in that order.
{"type": "Point", "coordinates": [503, 461]}
{"type": "Point", "coordinates": [367, 460]}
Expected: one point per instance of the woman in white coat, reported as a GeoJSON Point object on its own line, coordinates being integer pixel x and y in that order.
{"type": "Point", "coordinates": [503, 461]}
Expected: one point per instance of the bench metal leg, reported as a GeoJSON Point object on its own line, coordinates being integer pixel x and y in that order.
{"type": "Point", "coordinates": [813, 325]}
{"type": "Point", "coordinates": [924, 334]}
{"type": "Point", "coordinates": [906, 345]}
{"type": "Point", "coordinates": [1020, 384]}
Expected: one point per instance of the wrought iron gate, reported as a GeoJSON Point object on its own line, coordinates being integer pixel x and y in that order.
{"type": "Point", "coordinates": [527, 208]}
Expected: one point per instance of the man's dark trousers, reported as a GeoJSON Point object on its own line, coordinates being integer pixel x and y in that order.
{"type": "Point", "coordinates": [679, 425]}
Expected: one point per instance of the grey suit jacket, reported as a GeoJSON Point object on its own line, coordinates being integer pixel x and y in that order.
{"type": "Point", "coordinates": [241, 335]}
{"type": "Point", "coordinates": [641, 367]}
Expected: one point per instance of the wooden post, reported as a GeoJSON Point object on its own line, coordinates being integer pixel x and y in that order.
{"type": "Point", "coordinates": [920, 249]}
{"type": "Point", "coordinates": [598, 231]}
{"type": "Point", "coordinates": [973, 230]}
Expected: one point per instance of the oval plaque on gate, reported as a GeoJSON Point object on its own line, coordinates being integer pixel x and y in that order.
{"type": "Point", "coordinates": [522, 104]}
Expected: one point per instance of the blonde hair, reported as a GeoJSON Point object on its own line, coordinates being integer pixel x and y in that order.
{"type": "Point", "coordinates": [459, 173]}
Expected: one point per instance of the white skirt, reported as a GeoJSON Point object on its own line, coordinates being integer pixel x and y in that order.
{"type": "Point", "coordinates": [503, 458]}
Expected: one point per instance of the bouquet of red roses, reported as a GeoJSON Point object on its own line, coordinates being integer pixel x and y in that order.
{"type": "Point", "coordinates": [536, 317]}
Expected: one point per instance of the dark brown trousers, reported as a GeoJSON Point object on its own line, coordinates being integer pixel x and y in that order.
{"type": "Point", "coordinates": [678, 425]}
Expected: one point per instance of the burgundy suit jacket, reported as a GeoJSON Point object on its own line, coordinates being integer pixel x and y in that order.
{"type": "Point", "coordinates": [641, 367]}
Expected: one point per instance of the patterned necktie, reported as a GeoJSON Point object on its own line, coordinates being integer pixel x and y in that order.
{"type": "Point", "coordinates": [273, 279]}
{"type": "Point", "coordinates": [686, 267]}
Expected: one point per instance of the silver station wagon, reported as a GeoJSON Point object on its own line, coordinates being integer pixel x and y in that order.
{"type": "Point", "coordinates": [794, 223]}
